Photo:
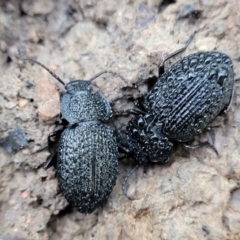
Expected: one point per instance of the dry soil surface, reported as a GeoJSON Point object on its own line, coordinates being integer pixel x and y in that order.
{"type": "Point", "coordinates": [196, 197]}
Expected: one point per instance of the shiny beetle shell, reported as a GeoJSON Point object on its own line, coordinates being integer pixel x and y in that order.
{"type": "Point", "coordinates": [182, 103]}
{"type": "Point", "coordinates": [87, 165]}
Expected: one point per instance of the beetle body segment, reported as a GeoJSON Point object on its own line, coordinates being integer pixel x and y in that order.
{"type": "Point", "coordinates": [87, 154]}
{"type": "Point", "coordinates": [182, 103]}
{"type": "Point", "coordinates": [80, 104]}
{"type": "Point", "coordinates": [85, 150]}
{"type": "Point", "coordinates": [87, 164]}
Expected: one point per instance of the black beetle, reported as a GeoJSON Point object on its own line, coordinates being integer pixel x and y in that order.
{"type": "Point", "coordinates": [182, 103]}
{"type": "Point", "coordinates": [87, 151]}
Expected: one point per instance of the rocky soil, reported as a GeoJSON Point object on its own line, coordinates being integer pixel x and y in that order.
{"type": "Point", "coordinates": [196, 197]}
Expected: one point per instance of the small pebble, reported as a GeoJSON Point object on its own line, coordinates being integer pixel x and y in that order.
{"type": "Point", "coordinates": [219, 30]}
{"type": "Point", "coordinates": [206, 44]}
{"type": "Point", "coordinates": [22, 102]}
{"type": "Point", "coordinates": [24, 195]}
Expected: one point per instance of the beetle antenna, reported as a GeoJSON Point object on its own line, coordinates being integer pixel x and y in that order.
{"type": "Point", "coordinates": [111, 72]}
{"type": "Point", "coordinates": [126, 179]}
{"type": "Point", "coordinates": [161, 66]}
{"type": "Point", "coordinates": [51, 72]}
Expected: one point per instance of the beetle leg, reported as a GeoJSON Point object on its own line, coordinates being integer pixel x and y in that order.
{"type": "Point", "coordinates": [51, 160]}
{"type": "Point", "coordinates": [145, 168]}
{"type": "Point", "coordinates": [201, 144]}
{"type": "Point", "coordinates": [40, 149]}
{"type": "Point", "coordinates": [53, 139]}
{"type": "Point", "coordinates": [48, 145]}
{"type": "Point", "coordinates": [51, 145]}
{"type": "Point", "coordinates": [125, 179]}
{"type": "Point", "coordinates": [127, 152]}
{"type": "Point", "coordinates": [231, 100]}
{"type": "Point", "coordinates": [119, 98]}
{"type": "Point", "coordinates": [135, 112]}
{"type": "Point", "coordinates": [138, 102]}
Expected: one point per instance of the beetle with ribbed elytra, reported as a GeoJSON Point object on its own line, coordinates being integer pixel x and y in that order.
{"type": "Point", "coordinates": [85, 151]}
{"type": "Point", "coordinates": [182, 103]}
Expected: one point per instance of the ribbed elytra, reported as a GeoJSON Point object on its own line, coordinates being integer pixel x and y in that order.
{"type": "Point", "coordinates": [191, 103]}
{"type": "Point", "coordinates": [182, 103]}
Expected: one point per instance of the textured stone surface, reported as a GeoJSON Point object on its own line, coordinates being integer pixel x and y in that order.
{"type": "Point", "coordinates": [37, 7]}
{"type": "Point", "coordinates": [196, 197]}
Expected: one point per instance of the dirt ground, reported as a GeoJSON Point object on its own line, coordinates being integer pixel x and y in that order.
{"type": "Point", "coordinates": [196, 197]}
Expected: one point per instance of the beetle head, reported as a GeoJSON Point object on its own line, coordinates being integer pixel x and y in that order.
{"type": "Point", "coordinates": [146, 140]}
{"type": "Point", "coordinates": [78, 86]}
